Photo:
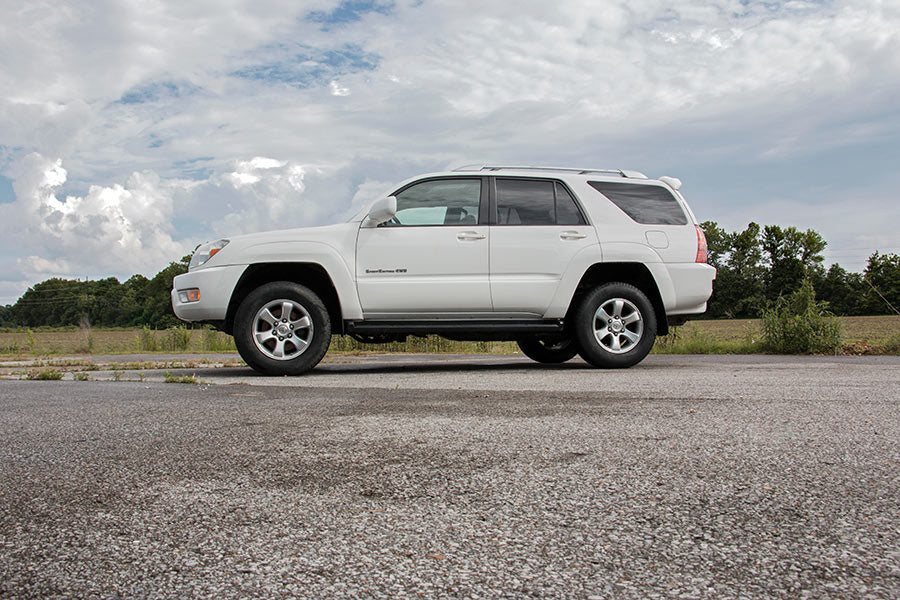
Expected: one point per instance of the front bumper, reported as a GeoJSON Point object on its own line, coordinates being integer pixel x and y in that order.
{"type": "Point", "coordinates": [216, 284]}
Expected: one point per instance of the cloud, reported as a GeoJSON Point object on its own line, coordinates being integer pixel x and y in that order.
{"type": "Point", "coordinates": [109, 229]}
{"type": "Point", "coordinates": [176, 122]}
{"type": "Point", "coordinates": [121, 229]}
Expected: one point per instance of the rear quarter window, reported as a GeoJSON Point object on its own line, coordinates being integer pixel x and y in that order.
{"type": "Point", "coordinates": [646, 204]}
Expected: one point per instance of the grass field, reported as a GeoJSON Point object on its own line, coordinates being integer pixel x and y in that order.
{"type": "Point", "coordinates": [862, 335]}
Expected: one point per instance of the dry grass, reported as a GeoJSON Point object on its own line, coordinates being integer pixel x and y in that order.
{"type": "Point", "coordinates": [71, 340]}
{"type": "Point", "coordinates": [862, 335]}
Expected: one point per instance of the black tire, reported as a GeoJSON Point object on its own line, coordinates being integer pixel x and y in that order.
{"type": "Point", "coordinates": [620, 335]}
{"type": "Point", "coordinates": [262, 330]}
{"type": "Point", "coordinates": [548, 350]}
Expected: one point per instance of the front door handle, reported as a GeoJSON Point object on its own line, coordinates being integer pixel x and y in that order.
{"type": "Point", "coordinates": [470, 235]}
{"type": "Point", "coordinates": [572, 235]}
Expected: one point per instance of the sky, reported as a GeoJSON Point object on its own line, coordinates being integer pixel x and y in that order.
{"type": "Point", "coordinates": [132, 131]}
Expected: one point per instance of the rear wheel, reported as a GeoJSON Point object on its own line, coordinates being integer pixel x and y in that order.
{"type": "Point", "coordinates": [282, 328]}
{"type": "Point", "coordinates": [615, 326]}
{"type": "Point", "coordinates": [548, 350]}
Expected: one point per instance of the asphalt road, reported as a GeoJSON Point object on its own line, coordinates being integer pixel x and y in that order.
{"type": "Point", "coordinates": [481, 477]}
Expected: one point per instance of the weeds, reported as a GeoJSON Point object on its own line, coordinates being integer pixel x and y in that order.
{"type": "Point", "coordinates": [146, 341]}
{"type": "Point", "coordinates": [82, 377]}
{"type": "Point", "coordinates": [892, 346]}
{"type": "Point", "coordinates": [170, 378]}
{"type": "Point", "coordinates": [45, 375]}
{"type": "Point", "coordinates": [216, 341]}
{"type": "Point", "coordinates": [693, 341]}
{"type": "Point", "coordinates": [177, 339]}
{"type": "Point", "coordinates": [87, 338]}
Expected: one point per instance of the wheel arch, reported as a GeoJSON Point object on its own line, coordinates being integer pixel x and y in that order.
{"type": "Point", "coordinates": [312, 275]}
{"type": "Point", "coordinates": [634, 273]}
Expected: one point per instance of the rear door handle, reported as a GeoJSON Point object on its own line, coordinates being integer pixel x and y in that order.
{"type": "Point", "coordinates": [470, 235]}
{"type": "Point", "coordinates": [572, 235]}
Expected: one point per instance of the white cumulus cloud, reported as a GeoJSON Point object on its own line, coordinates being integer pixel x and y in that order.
{"type": "Point", "coordinates": [132, 131]}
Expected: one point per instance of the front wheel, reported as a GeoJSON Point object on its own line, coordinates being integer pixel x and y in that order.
{"type": "Point", "coordinates": [615, 326]}
{"type": "Point", "coordinates": [282, 328]}
{"type": "Point", "coordinates": [548, 350]}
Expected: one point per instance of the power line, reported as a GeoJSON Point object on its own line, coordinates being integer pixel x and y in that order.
{"type": "Point", "coordinates": [875, 289]}
{"type": "Point", "coordinates": [863, 248]}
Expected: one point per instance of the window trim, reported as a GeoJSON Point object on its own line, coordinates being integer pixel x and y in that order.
{"type": "Point", "coordinates": [494, 209]}
{"type": "Point", "coordinates": [482, 203]}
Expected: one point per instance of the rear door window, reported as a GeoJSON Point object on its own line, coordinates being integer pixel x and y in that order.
{"type": "Point", "coordinates": [567, 212]}
{"type": "Point", "coordinates": [646, 204]}
{"type": "Point", "coordinates": [535, 202]}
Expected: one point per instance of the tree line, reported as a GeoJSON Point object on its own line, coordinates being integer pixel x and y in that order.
{"type": "Point", "coordinates": [758, 265]}
{"type": "Point", "coordinates": [138, 302]}
{"type": "Point", "coordinates": [755, 267]}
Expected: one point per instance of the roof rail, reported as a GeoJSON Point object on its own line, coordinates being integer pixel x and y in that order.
{"type": "Point", "coordinates": [619, 172]}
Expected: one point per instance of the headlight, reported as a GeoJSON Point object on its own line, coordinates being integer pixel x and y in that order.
{"type": "Point", "coordinates": [206, 252]}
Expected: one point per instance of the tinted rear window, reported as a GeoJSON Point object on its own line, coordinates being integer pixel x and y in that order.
{"type": "Point", "coordinates": [647, 204]}
{"type": "Point", "coordinates": [567, 212]}
{"type": "Point", "coordinates": [525, 202]}
{"type": "Point", "coordinates": [535, 202]}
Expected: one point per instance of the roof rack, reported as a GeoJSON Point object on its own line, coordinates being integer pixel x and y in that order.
{"type": "Point", "coordinates": [619, 172]}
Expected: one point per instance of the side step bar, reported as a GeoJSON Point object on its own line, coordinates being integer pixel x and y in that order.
{"type": "Point", "coordinates": [462, 326]}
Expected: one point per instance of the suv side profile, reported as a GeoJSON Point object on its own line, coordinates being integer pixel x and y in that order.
{"type": "Point", "coordinates": [564, 261]}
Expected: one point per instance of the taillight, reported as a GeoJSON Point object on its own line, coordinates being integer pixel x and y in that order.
{"type": "Point", "coordinates": [702, 248]}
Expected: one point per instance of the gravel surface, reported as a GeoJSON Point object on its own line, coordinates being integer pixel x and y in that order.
{"type": "Point", "coordinates": [781, 484]}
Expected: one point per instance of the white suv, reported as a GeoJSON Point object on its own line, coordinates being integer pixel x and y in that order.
{"type": "Point", "coordinates": [563, 261]}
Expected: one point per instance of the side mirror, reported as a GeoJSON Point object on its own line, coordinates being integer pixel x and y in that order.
{"type": "Point", "coordinates": [383, 210]}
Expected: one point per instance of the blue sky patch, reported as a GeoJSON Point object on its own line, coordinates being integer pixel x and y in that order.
{"type": "Point", "coordinates": [153, 92]}
{"type": "Point", "coordinates": [349, 11]}
{"type": "Point", "coordinates": [312, 66]}
{"type": "Point", "coordinates": [193, 168]}
{"type": "Point", "coordinates": [6, 190]}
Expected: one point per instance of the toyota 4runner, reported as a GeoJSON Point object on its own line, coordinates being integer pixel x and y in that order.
{"type": "Point", "coordinates": [563, 261]}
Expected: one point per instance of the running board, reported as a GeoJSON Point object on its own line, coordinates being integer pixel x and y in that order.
{"type": "Point", "coordinates": [461, 326]}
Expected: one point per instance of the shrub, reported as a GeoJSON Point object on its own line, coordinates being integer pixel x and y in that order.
{"type": "Point", "coordinates": [800, 325]}
{"type": "Point", "coordinates": [177, 339]}
{"type": "Point", "coordinates": [216, 341]}
{"type": "Point", "coordinates": [30, 340]}
{"type": "Point", "coordinates": [146, 341]}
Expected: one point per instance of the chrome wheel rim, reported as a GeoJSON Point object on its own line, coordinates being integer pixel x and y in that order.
{"type": "Point", "coordinates": [282, 329]}
{"type": "Point", "coordinates": [618, 325]}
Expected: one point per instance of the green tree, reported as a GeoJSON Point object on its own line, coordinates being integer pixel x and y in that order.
{"type": "Point", "coordinates": [842, 291]}
{"type": "Point", "coordinates": [52, 302]}
{"type": "Point", "coordinates": [157, 303]}
{"type": "Point", "coordinates": [882, 278]}
{"type": "Point", "coordinates": [718, 243]}
{"type": "Point", "coordinates": [791, 255]}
